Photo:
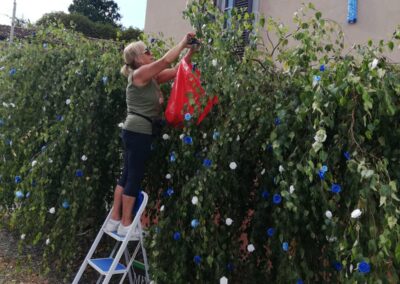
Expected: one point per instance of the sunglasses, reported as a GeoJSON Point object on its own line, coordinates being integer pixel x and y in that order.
{"type": "Point", "coordinates": [147, 51]}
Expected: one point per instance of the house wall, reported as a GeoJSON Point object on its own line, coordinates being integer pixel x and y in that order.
{"type": "Point", "coordinates": [376, 19]}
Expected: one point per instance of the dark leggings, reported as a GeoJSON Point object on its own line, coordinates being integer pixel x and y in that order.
{"type": "Point", "coordinates": [136, 153]}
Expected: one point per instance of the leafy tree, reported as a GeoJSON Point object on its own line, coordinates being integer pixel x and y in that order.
{"type": "Point", "coordinates": [104, 11]}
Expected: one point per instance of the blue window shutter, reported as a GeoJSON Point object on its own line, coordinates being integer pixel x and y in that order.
{"type": "Point", "coordinates": [244, 4]}
{"type": "Point", "coordinates": [352, 11]}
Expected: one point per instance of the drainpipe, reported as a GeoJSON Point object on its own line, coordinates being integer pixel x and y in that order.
{"type": "Point", "coordinates": [13, 22]}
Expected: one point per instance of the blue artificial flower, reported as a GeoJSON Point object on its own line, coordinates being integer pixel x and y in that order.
{"type": "Point", "coordinates": [79, 173]}
{"type": "Point", "coordinates": [270, 148]}
{"type": "Point", "coordinates": [59, 117]}
{"type": "Point", "coordinates": [188, 140]}
{"type": "Point", "coordinates": [277, 198]}
{"type": "Point", "coordinates": [194, 223]}
{"type": "Point", "coordinates": [19, 194]}
{"type": "Point", "coordinates": [18, 179]}
{"type": "Point", "coordinates": [285, 246]}
{"type": "Point", "coordinates": [270, 232]}
{"type": "Point", "coordinates": [336, 188]}
{"type": "Point", "coordinates": [364, 267]}
{"type": "Point", "coordinates": [277, 121]}
{"type": "Point", "coordinates": [104, 79]}
{"type": "Point", "coordinates": [153, 40]}
{"type": "Point", "coordinates": [216, 135]}
{"type": "Point", "coordinates": [170, 191]}
{"type": "Point", "coordinates": [12, 71]}
{"type": "Point", "coordinates": [188, 116]}
{"type": "Point", "coordinates": [347, 155]}
{"type": "Point", "coordinates": [299, 281]}
{"type": "Point", "coordinates": [207, 163]}
{"type": "Point", "coordinates": [197, 259]}
{"type": "Point", "coordinates": [172, 157]}
{"type": "Point", "coordinates": [34, 183]}
{"type": "Point", "coordinates": [321, 175]}
{"type": "Point", "coordinates": [65, 204]}
{"type": "Point", "coordinates": [157, 230]}
{"type": "Point", "coordinates": [337, 266]}
{"type": "Point", "coordinates": [317, 78]}
{"type": "Point", "coordinates": [1, 122]}
{"type": "Point", "coordinates": [177, 236]}
{"type": "Point", "coordinates": [28, 194]}
{"type": "Point", "coordinates": [265, 194]}
{"type": "Point", "coordinates": [324, 168]}
{"type": "Point", "coordinates": [230, 267]}
{"type": "Point", "coordinates": [43, 148]}
{"type": "Point", "coordinates": [322, 68]}
{"type": "Point", "coordinates": [44, 45]}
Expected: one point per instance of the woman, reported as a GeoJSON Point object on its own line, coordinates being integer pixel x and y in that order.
{"type": "Point", "coordinates": [143, 97]}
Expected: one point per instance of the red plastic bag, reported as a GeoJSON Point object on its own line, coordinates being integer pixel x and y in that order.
{"type": "Point", "coordinates": [186, 95]}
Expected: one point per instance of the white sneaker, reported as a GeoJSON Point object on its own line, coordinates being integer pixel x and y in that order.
{"type": "Point", "coordinates": [123, 231]}
{"type": "Point", "coordinates": [112, 225]}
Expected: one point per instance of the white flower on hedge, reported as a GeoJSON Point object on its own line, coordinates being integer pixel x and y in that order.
{"type": "Point", "coordinates": [263, 172]}
{"type": "Point", "coordinates": [121, 124]}
{"type": "Point", "coordinates": [238, 138]}
{"type": "Point", "coordinates": [162, 208]}
{"type": "Point", "coordinates": [50, 160]}
{"type": "Point", "coordinates": [5, 104]}
{"type": "Point", "coordinates": [251, 248]}
{"type": "Point", "coordinates": [328, 214]}
{"type": "Point", "coordinates": [351, 268]}
{"type": "Point", "coordinates": [317, 146]}
{"type": "Point", "coordinates": [331, 239]}
{"type": "Point", "coordinates": [223, 280]}
{"type": "Point", "coordinates": [52, 210]}
{"type": "Point", "coordinates": [165, 136]}
{"type": "Point", "coordinates": [233, 165]}
{"type": "Point", "coordinates": [83, 158]}
{"type": "Point", "coordinates": [228, 221]}
{"type": "Point", "coordinates": [47, 241]}
{"type": "Point", "coordinates": [214, 62]}
{"type": "Point", "coordinates": [367, 173]}
{"type": "Point", "coordinates": [281, 169]}
{"type": "Point", "coordinates": [195, 200]}
{"type": "Point", "coordinates": [320, 136]}
{"type": "Point", "coordinates": [181, 136]}
{"type": "Point", "coordinates": [356, 213]}
{"type": "Point", "coordinates": [34, 163]}
{"type": "Point", "coordinates": [168, 176]}
{"type": "Point", "coordinates": [23, 237]}
{"type": "Point", "coordinates": [68, 101]}
{"type": "Point", "coordinates": [11, 104]}
{"type": "Point", "coordinates": [291, 189]}
{"type": "Point", "coordinates": [204, 135]}
{"type": "Point", "coordinates": [374, 63]}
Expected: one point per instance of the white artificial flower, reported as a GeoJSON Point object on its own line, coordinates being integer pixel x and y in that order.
{"type": "Point", "coordinates": [68, 101]}
{"type": "Point", "coordinates": [233, 165]}
{"type": "Point", "coordinates": [121, 124]}
{"type": "Point", "coordinates": [5, 104]}
{"type": "Point", "coordinates": [204, 135]}
{"type": "Point", "coordinates": [11, 104]}
{"type": "Point", "coordinates": [374, 63]}
{"type": "Point", "coordinates": [295, 14]}
{"type": "Point", "coordinates": [317, 146]}
{"type": "Point", "coordinates": [281, 169]}
{"type": "Point", "coordinates": [263, 172]}
{"type": "Point", "coordinates": [50, 161]}
{"type": "Point", "coordinates": [356, 213]}
{"type": "Point", "coordinates": [168, 176]}
{"type": "Point", "coordinates": [291, 189]}
{"type": "Point", "coordinates": [228, 221]}
{"type": "Point", "coordinates": [47, 241]}
{"type": "Point", "coordinates": [214, 62]}
{"type": "Point", "coordinates": [223, 280]}
{"type": "Point", "coordinates": [181, 136]}
{"type": "Point", "coordinates": [328, 214]}
{"type": "Point", "coordinates": [165, 136]}
{"type": "Point", "coordinates": [320, 136]}
{"type": "Point", "coordinates": [238, 138]}
{"type": "Point", "coordinates": [34, 163]}
{"type": "Point", "coordinates": [23, 237]}
{"type": "Point", "coordinates": [351, 268]}
{"type": "Point", "coordinates": [162, 208]}
{"type": "Point", "coordinates": [251, 248]}
{"type": "Point", "coordinates": [331, 239]}
{"type": "Point", "coordinates": [195, 200]}
{"type": "Point", "coordinates": [52, 210]}
{"type": "Point", "coordinates": [84, 158]}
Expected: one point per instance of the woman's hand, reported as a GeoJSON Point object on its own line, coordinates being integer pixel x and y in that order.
{"type": "Point", "coordinates": [184, 43]}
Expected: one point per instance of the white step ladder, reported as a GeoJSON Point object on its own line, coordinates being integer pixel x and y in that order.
{"type": "Point", "coordinates": [107, 267]}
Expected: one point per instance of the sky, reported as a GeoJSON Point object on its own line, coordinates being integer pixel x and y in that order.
{"type": "Point", "coordinates": [132, 11]}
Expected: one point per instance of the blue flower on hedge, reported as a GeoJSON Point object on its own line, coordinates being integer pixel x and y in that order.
{"type": "Point", "coordinates": [170, 191]}
{"type": "Point", "coordinates": [188, 140]}
{"type": "Point", "coordinates": [17, 179]}
{"type": "Point", "coordinates": [43, 148]}
{"type": "Point", "coordinates": [322, 68]}
{"type": "Point", "coordinates": [277, 121]}
{"type": "Point", "coordinates": [317, 78]}
{"type": "Point", "coordinates": [152, 40]}
{"type": "Point", "coordinates": [285, 246]}
{"type": "Point", "coordinates": [177, 236]}
{"type": "Point", "coordinates": [104, 79]}
{"type": "Point", "coordinates": [188, 116]}
{"type": "Point", "coordinates": [1, 122]}
{"type": "Point", "coordinates": [79, 173]}
{"type": "Point", "coordinates": [197, 259]}
{"type": "Point", "coordinates": [44, 45]}
{"type": "Point", "coordinates": [265, 194]}
{"type": "Point", "coordinates": [336, 188]}
{"type": "Point", "coordinates": [19, 194]}
{"type": "Point", "coordinates": [337, 266]}
{"type": "Point", "coordinates": [34, 183]}
{"type": "Point", "coordinates": [194, 223]}
{"type": "Point", "coordinates": [12, 71]}
{"type": "Point", "coordinates": [270, 232]}
{"type": "Point", "coordinates": [324, 168]}
{"type": "Point", "coordinates": [207, 163]}
{"type": "Point", "coordinates": [230, 267]}
{"type": "Point", "coordinates": [27, 194]}
{"type": "Point", "coordinates": [65, 204]}
{"type": "Point", "coordinates": [172, 157]}
{"type": "Point", "coordinates": [347, 155]}
{"type": "Point", "coordinates": [59, 118]}
{"type": "Point", "coordinates": [216, 135]}
{"type": "Point", "coordinates": [277, 198]}
{"type": "Point", "coordinates": [9, 142]}
{"type": "Point", "coordinates": [269, 148]}
{"type": "Point", "coordinates": [299, 281]}
{"type": "Point", "coordinates": [321, 175]}
{"type": "Point", "coordinates": [364, 267]}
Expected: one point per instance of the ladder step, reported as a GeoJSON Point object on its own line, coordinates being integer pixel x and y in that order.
{"type": "Point", "coordinates": [138, 265]}
{"type": "Point", "coordinates": [114, 235]}
{"type": "Point", "coordinates": [102, 265]}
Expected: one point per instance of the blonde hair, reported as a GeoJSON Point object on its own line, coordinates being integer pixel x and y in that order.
{"type": "Point", "coordinates": [131, 57]}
